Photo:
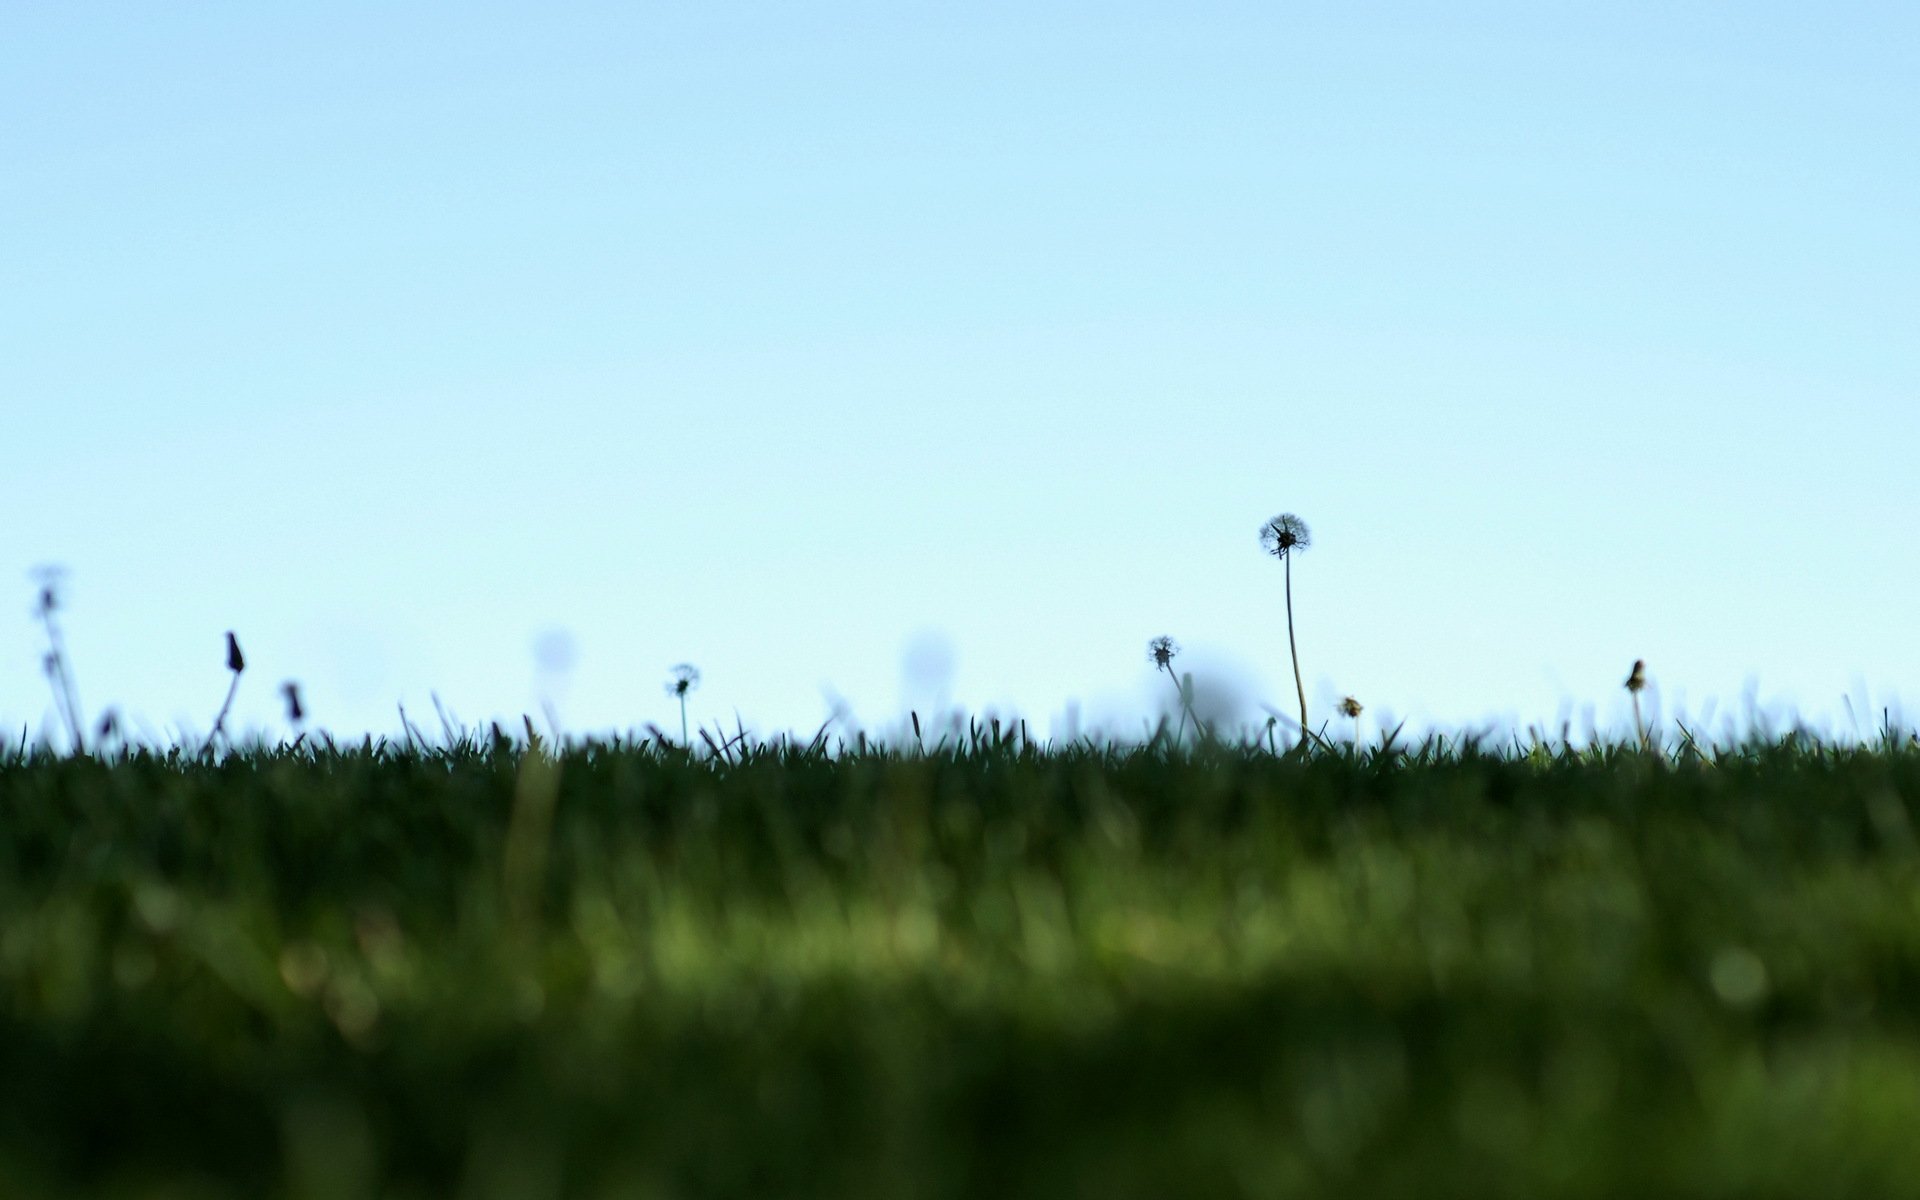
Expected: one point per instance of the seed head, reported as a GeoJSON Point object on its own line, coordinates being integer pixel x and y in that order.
{"type": "Point", "coordinates": [1638, 678]}
{"type": "Point", "coordinates": [1284, 534]}
{"type": "Point", "coordinates": [49, 578]}
{"type": "Point", "coordinates": [1160, 652]}
{"type": "Point", "coordinates": [685, 678]}
{"type": "Point", "coordinates": [236, 662]}
{"type": "Point", "coordinates": [1351, 708]}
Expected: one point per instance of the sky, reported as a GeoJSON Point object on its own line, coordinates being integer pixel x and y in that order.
{"type": "Point", "coordinates": [910, 355]}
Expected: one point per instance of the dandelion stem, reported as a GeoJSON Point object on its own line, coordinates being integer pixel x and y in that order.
{"type": "Point", "coordinates": [1294, 650]}
{"type": "Point", "coordinates": [66, 695]}
{"type": "Point", "coordinates": [220, 720]}
{"type": "Point", "coordinates": [1181, 692]}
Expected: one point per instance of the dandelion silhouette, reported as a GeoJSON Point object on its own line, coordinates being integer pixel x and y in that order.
{"type": "Point", "coordinates": [1160, 652]}
{"type": "Point", "coordinates": [236, 662]}
{"type": "Point", "coordinates": [684, 678]}
{"type": "Point", "coordinates": [1636, 681]}
{"type": "Point", "coordinates": [1280, 537]}
{"type": "Point", "coordinates": [59, 677]}
{"type": "Point", "coordinates": [1351, 710]}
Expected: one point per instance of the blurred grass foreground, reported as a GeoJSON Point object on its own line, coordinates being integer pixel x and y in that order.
{"type": "Point", "coordinates": [622, 971]}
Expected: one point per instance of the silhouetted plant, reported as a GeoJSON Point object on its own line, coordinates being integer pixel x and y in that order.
{"type": "Point", "coordinates": [297, 713]}
{"type": "Point", "coordinates": [1281, 536]}
{"type": "Point", "coordinates": [1351, 709]}
{"type": "Point", "coordinates": [682, 679]}
{"type": "Point", "coordinates": [107, 731]}
{"type": "Point", "coordinates": [1636, 682]}
{"type": "Point", "coordinates": [237, 663]}
{"type": "Point", "coordinates": [1161, 652]}
{"type": "Point", "coordinates": [66, 696]}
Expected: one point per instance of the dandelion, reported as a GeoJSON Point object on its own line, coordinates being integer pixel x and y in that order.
{"type": "Point", "coordinates": [1280, 537]}
{"type": "Point", "coordinates": [1351, 710]}
{"type": "Point", "coordinates": [683, 678]}
{"type": "Point", "coordinates": [66, 696]}
{"type": "Point", "coordinates": [1160, 652]}
{"type": "Point", "coordinates": [237, 663]}
{"type": "Point", "coordinates": [1636, 682]}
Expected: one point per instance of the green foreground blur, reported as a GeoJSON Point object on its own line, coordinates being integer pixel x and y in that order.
{"type": "Point", "coordinates": [492, 972]}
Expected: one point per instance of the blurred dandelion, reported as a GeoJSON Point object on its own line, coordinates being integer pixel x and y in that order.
{"type": "Point", "coordinates": [1351, 709]}
{"type": "Point", "coordinates": [66, 696]}
{"type": "Point", "coordinates": [296, 712]}
{"type": "Point", "coordinates": [49, 578]}
{"type": "Point", "coordinates": [1280, 537]}
{"type": "Point", "coordinates": [555, 654]}
{"type": "Point", "coordinates": [683, 678]}
{"type": "Point", "coordinates": [1636, 682]}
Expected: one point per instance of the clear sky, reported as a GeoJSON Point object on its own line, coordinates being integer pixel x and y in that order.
{"type": "Point", "coordinates": [805, 342]}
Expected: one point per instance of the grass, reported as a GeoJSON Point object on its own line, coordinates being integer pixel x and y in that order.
{"type": "Point", "coordinates": [990, 970]}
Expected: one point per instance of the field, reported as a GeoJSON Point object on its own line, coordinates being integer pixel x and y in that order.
{"type": "Point", "coordinates": [992, 971]}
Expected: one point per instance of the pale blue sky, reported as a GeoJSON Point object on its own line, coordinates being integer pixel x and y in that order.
{"type": "Point", "coordinates": [780, 337]}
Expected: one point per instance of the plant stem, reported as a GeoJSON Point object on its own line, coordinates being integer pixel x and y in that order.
{"type": "Point", "coordinates": [1182, 693]}
{"type": "Point", "coordinates": [1294, 650]}
{"type": "Point", "coordinates": [220, 721]}
{"type": "Point", "coordinates": [1638, 724]}
{"type": "Point", "coordinates": [683, 722]}
{"type": "Point", "coordinates": [65, 694]}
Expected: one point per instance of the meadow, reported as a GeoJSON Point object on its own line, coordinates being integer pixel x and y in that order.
{"type": "Point", "coordinates": [502, 968]}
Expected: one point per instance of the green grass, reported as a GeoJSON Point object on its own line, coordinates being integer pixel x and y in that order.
{"type": "Point", "coordinates": [987, 973]}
